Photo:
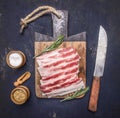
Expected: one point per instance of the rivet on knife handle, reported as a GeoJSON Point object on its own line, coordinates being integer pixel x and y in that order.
{"type": "Point", "coordinates": [94, 94]}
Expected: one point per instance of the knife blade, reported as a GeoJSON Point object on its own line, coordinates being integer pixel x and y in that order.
{"type": "Point", "coordinates": [99, 69]}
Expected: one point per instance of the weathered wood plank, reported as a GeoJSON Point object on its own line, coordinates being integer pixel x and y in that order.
{"type": "Point", "coordinates": [60, 25]}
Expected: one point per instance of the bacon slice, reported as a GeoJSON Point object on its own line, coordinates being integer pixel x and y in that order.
{"type": "Point", "coordinates": [59, 71]}
{"type": "Point", "coordinates": [63, 91]}
{"type": "Point", "coordinates": [60, 82]}
{"type": "Point", "coordinates": [53, 72]}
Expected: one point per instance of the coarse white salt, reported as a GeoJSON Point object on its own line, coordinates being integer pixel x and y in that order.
{"type": "Point", "coordinates": [15, 59]}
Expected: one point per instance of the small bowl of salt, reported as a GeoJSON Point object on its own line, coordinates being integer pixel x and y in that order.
{"type": "Point", "coordinates": [15, 59]}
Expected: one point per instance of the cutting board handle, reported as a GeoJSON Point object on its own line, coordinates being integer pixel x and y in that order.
{"type": "Point", "coordinates": [60, 24]}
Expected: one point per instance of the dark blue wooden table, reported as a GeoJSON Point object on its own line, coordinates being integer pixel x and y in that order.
{"type": "Point", "coordinates": [84, 15]}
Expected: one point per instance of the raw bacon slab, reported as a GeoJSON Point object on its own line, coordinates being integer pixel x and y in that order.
{"type": "Point", "coordinates": [59, 71]}
{"type": "Point", "coordinates": [80, 47]}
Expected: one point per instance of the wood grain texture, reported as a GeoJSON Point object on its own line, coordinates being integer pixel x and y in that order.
{"type": "Point", "coordinates": [94, 94]}
{"type": "Point", "coordinates": [60, 25]}
{"type": "Point", "coordinates": [80, 46]}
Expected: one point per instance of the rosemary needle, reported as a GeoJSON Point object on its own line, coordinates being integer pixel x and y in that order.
{"type": "Point", "coordinates": [53, 46]}
{"type": "Point", "coordinates": [76, 94]}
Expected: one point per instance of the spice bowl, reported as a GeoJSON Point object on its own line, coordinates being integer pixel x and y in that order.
{"type": "Point", "coordinates": [15, 59]}
{"type": "Point", "coordinates": [20, 95]}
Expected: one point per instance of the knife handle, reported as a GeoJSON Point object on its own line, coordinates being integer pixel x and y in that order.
{"type": "Point", "coordinates": [94, 94]}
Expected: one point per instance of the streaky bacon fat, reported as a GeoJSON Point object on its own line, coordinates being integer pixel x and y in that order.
{"type": "Point", "coordinates": [59, 72]}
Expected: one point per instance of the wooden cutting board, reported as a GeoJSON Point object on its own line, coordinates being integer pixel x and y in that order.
{"type": "Point", "coordinates": [80, 46]}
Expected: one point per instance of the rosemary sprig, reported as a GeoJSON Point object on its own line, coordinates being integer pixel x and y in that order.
{"type": "Point", "coordinates": [53, 46]}
{"type": "Point", "coordinates": [76, 94]}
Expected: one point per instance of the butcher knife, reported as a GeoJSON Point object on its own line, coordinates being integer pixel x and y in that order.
{"type": "Point", "coordinates": [99, 69]}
